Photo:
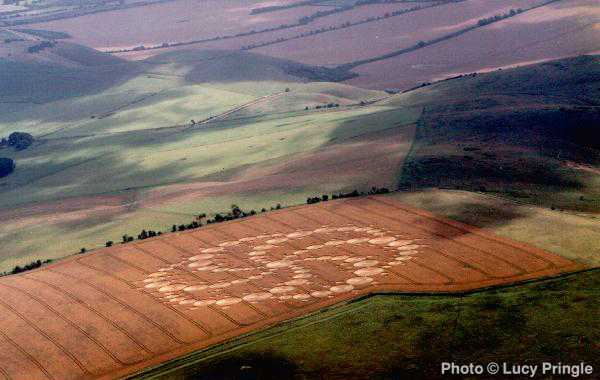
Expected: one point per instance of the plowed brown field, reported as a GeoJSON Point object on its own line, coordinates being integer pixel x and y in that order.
{"type": "Point", "coordinates": [121, 309]}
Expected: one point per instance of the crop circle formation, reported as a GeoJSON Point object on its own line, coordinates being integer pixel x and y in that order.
{"type": "Point", "coordinates": [276, 267]}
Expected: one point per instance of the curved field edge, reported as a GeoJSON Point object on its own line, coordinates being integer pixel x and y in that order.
{"type": "Point", "coordinates": [331, 341]}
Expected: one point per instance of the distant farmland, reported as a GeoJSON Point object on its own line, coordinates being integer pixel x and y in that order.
{"type": "Point", "coordinates": [180, 20]}
{"type": "Point", "coordinates": [563, 28]}
{"type": "Point", "coordinates": [384, 36]}
{"type": "Point", "coordinates": [567, 28]}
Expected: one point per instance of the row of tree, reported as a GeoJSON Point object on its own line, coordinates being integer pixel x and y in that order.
{"type": "Point", "coordinates": [307, 19]}
{"type": "Point", "coordinates": [498, 17]}
{"type": "Point", "coordinates": [302, 21]}
{"type": "Point", "coordinates": [200, 220]}
{"type": "Point", "coordinates": [323, 106]}
{"type": "Point", "coordinates": [32, 265]}
{"type": "Point", "coordinates": [355, 193]}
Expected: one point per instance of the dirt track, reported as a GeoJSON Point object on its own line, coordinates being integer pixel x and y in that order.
{"type": "Point", "coordinates": [121, 309]}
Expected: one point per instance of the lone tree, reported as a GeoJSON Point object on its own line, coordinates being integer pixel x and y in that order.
{"type": "Point", "coordinates": [7, 166]}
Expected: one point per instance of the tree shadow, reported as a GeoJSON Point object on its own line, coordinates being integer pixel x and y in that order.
{"type": "Point", "coordinates": [252, 366]}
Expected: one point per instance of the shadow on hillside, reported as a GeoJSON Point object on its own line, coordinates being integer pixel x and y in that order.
{"type": "Point", "coordinates": [87, 72]}
{"type": "Point", "coordinates": [28, 85]}
{"type": "Point", "coordinates": [515, 145]}
{"type": "Point", "coordinates": [253, 366]}
{"type": "Point", "coordinates": [481, 214]}
{"type": "Point", "coordinates": [227, 66]}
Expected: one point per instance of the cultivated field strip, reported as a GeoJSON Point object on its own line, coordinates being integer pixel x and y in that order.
{"type": "Point", "coordinates": [119, 310]}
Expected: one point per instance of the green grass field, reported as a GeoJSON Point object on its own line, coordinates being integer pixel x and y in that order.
{"type": "Point", "coordinates": [90, 159]}
{"type": "Point", "coordinates": [60, 168]}
{"type": "Point", "coordinates": [408, 336]}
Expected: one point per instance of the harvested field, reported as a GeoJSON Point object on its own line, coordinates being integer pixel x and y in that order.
{"type": "Point", "coordinates": [180, 20]}
{"type": "Point", "coordinates": [353, 16]}
{"type": "Point", "coordinates": [121, 309]}
{"type": "Point", "coordinates": [566, 28]}
{"type": "Point", "coordinates": [365, 40]}
{"type": "Point", "coordinates": [384, 36]}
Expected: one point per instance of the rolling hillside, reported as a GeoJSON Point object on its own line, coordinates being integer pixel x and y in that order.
{"type": "Point", "coordinates": [528, 133]}
{"type": "Point", "coordinates": [101, 158]}
{"type": "Point", "coordinates": [128, 158]}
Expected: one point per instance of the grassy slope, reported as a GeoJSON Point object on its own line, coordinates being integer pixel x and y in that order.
{"type": "Point", "coordinates": [110, 138]}
{"type": "Point", "coordinates": [70, 90]}
{"type": "Point", "coordinates": [108, 134]}
{"type": "Point", "coordinates": [397, 336]}
{"type": "Point", "coordinates": [138, 161]}
{"type": "Point", "coordinates": [60, 168]}
{"type": "Point", "coordinates": [516, 133]}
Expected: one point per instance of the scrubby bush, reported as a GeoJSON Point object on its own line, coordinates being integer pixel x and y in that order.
{"type": "Point", "coordinates": [20, 140]}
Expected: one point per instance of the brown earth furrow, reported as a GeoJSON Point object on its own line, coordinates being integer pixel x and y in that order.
{"type": "Point", "coordinates": [13, 358]}
{"type": "Point", "coordinates": [104, 333]}
{"type": "Point", "coordinates": [145, 336]}
{"type": "Point", "coordinates": [161, 315]}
